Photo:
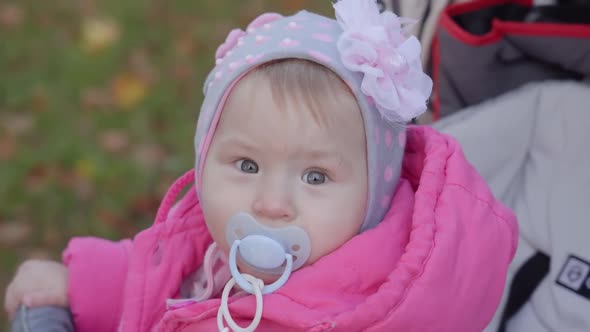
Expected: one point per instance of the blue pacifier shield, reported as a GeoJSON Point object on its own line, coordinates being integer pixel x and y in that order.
{"type": "Point", "coordinates": [264, 248]}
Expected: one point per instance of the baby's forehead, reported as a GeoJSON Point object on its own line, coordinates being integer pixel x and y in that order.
{"type": "Point", "coordinates": [259, 97]}
{"type": "Point", "coordinates": [290, 133]}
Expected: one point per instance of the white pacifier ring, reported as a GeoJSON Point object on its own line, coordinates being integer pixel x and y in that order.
{"type": "Point", "coordinates": [223, 312]}
{"type": "Point", "coordinates": [243, 282]}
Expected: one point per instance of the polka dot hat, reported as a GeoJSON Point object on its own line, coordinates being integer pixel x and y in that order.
{"type": "Point", "coordinates": [366, 49]}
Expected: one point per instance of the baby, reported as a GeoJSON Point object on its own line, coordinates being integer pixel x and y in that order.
{"type": "Point", "coordinates": [305, 197]}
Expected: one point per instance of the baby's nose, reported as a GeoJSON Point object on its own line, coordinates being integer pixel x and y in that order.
{"type": "Point", "coordinates": [273, 205]}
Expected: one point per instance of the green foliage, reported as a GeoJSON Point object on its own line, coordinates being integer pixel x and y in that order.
{"type": "Point", "coordinates": [98, 105]}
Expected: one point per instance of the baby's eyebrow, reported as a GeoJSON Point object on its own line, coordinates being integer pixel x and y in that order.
{"type": "Point", "coordinates": [330, 156]}
{"type": "Point", "coordinates": [234, 142]}
{"type": "Point", "coordinates": [320, 154]}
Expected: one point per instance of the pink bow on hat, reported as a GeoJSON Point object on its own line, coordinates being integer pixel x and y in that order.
{"type": "Point", "coordinates": [374, 44]}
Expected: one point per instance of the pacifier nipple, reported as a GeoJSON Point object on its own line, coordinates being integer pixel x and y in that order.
{"type": "Point", "coordinates": [262, 252]}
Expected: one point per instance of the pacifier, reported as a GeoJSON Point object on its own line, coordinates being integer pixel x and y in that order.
{"type": "Point", "coordinates": [277, 251]}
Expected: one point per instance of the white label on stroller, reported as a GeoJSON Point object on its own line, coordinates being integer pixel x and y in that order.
{"type": "Point", "coordinates": [575, 276]}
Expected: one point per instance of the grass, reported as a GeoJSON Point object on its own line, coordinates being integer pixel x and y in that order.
{"type": "Point", "coordinates": [98, 105]}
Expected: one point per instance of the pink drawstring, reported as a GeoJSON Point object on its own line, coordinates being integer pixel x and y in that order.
{"type": "Point", "coordinates": [216, 273]}
{"type": "Point", "coordinates": [172, 195]}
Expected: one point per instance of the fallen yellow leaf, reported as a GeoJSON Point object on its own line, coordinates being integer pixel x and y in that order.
{"type": "Point", "coordinates": [129, 90]}
{"type": "Point", "coordinates": [99, 33]}
{"type": "Point", "coordinates": [85, 169]}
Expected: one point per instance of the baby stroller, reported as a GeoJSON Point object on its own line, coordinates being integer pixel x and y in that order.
{"type": "Point", "coordinates": [511, 85]}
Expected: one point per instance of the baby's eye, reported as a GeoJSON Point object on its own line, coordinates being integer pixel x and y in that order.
{"type": "Point", "coordinates": [314, 177]}
{"type": "Point", "coordinates": [247, 166]}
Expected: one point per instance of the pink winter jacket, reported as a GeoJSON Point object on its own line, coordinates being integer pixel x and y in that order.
{"type": "Point", "coordinates": [437, 262]}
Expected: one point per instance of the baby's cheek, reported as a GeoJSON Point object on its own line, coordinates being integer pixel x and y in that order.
{"type": "Point", "coordinates": [215, 224]}
{"type": "Point", "coordinates": [321, 246]}
{"type": "Point", "coordinates": [326, 240]}
{"type": "Point", "coordinates": [217, 231]}
{"type": "Point", "coordinates": [313, 258]}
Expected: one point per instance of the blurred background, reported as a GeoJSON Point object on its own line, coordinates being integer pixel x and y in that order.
{"type": "Point", "coordinates": [98, 105]}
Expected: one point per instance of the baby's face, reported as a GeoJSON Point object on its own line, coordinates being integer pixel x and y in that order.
{"type": "Point", "coordinates": [284, 168]}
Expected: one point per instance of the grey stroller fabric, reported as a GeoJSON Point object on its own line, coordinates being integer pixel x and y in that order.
{"type": "Point", "coordinates": [489, 47]}
{"type": "Point", "coordinates": [42, 319]}
{"type": "Point", "coordinates": [532, 147]}
{"type": "Point", "coordinates": [427, 12]}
